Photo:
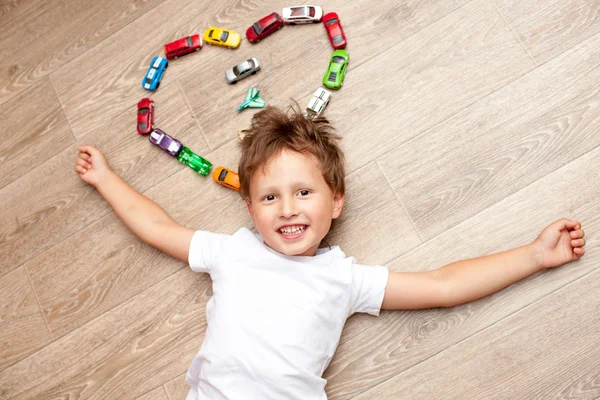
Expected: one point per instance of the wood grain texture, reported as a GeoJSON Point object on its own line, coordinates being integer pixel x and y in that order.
{"type": "Point", "coordinates": [449, 65]}
{"type": "Point", "coordinates": [373, 350]}
{"type": "Point", "coordinates": [38, 130]}
{"type": "Point", "coordinates": [532, 354]}
{"type": "Point", "coordinates": [124, 353]}
{"type": "Point", "coordinates": [10, 9]}
{"type": "Point", "coordinates": [156, 394]}
{"type": "Point", "coordinates": [50, 203]}
{"type": "Point", "coordinates": [177, 389]}
{"type": "Point", "coordinates": [22, 327]}
{"type": "Point", "coordinates": [506, 141]}
{"type": "Point", "coordinates": [548, 28]}
{"type": "Point", "coordinates": [52, 33]}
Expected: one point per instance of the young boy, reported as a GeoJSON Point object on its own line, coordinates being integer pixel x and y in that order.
{"type": "Point", "coordinates": [279, 301]}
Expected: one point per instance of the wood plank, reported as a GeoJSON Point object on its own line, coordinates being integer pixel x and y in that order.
{"type": "Point", "coordinates": [505, 142]}
{"type": "Point", "coordinates": [11, 9]}
{"type": "Point", "coordinates": [124, 353]}
{"type": "Point", "coordinates": [548, 28]}
{"type": "Point", "coordinates": [295, 71]}
{"type": "Point", "coordinates": [22, 327]}
{"type": "Point", "coordinates": [40, 212]}
{"type": "Point", "coordinates": [373, 350]}
{"type": "Point", "coordinates": [52, 33]}
{"type": "Point", "coordinates": [177, 389]}
{"type": "Point", "coordinates": [113, 83]}
{"type": "Point", "coordinates": [437, 72]}
{"type": "Point", "coordinates": [38, 130]}
{"type": "Point", "coordinates": [156, 394]}
{"type": "Point", "coordinates": [533, 354]}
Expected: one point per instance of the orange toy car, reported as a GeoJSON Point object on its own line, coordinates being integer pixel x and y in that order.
{"type": "Point", "coordinates": [226, 177]}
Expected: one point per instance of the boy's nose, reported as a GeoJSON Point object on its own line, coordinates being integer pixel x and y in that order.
{"type": "Point", "coordinates": [288, 208]}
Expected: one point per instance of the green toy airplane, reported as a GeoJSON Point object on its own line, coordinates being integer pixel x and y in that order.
{"type": "Point", "coordinates": [252, 100]}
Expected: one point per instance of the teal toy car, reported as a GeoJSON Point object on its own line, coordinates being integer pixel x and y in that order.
{"type": "Point", "coordinates": [334, 76]}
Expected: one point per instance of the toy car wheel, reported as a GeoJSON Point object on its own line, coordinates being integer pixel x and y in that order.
{"type": "Point", "coordinates": [198, 49]}
{"type": "Point", "coordinates": [292, 23]}
{"type": "Point", "coordinates": [257, 40]}
{"type": "Point", "coordinates": [234, 82]}
{"type": "Point", "coordinates": [279, 27]}
{"type": "Point", "coordinates": [253, 73]}
{"type": "Point", "coordinates": [176, 57]}
{"type": "Point", "coordinates": [157, 86]}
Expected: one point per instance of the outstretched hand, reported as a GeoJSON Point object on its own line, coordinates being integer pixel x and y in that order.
{"type": "Point", "coordinates": [91, 165]}
{"type": "Point", "coordinates": [559, 243]}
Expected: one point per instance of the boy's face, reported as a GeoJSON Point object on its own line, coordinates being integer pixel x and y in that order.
{"type": "Point", "coordinates": [291, 204]}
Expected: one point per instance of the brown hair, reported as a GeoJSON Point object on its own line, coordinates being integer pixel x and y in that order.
{"type": "Point", "coordinates": [273, 130]}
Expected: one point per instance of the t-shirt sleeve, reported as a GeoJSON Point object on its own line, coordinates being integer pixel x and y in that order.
{"type": "Point", "coordinates": [205, 250]}
{"type": "Point", "coordinates": [368, 288]}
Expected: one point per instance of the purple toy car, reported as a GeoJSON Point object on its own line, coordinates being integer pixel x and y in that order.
{"type": "Point", "coordinates": [166, 142]}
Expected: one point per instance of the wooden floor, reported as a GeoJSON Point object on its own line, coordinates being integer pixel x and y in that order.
{"type": "Point", "coordinates": [468, 126]}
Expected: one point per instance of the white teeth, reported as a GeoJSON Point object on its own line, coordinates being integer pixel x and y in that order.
{"type": "Point", "coordinates": [292, 230]}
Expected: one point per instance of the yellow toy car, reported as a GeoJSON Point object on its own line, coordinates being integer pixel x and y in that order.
{"type": "Point", "coordinates": [222, 37]}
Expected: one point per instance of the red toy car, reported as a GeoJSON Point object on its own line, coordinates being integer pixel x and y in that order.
{"type": "Point", "coordinates": [145, 118]}
{"type": "Point", "coordinates": [183, 46]}
{"type": "Point", "coordinates": [263, 28]}
{"type": "Point", "coordinates": [334, 30]}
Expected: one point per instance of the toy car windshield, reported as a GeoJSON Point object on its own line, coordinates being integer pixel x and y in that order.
{"type": "Point", "coordinates": [189, 41]}
{"type": "Point", "coordinates": [332, 21]}
{"type": "Point", "coordinates": [298, 12]}
{"type": "Point", "coordinates": [338, 60]}
{"type": "Point", "coordinates": [338, 39]}
{"type": "Point", "coordinates": [243, 68]}
{"type": "Point", "coordinates": [224, 36]}
{"type": "Point", "coordinates": [257, 28]}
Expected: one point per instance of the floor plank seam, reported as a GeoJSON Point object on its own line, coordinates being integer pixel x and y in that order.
{"type": "Point", "coordinates": [164, 386]}
{"type": "Point", "coordinates": [481, 330]}
{"type": "Point", "coordinates": [401, 202]}
{"type": "Point", "coordinates": [187, 102]}
{"type": "Point", "coordinates": [514, 33]}
{"type": "Point", "coordinates": [62, 108]}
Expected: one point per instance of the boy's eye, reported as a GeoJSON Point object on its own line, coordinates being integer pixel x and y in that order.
{"type": "Point", "coordinates": [304, 192]}
{"type": "Point", "coordinates": [270, 197]}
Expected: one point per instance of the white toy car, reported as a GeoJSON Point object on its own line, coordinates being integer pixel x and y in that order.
{"type": "Point", "coordinates": [302, 15]}
{"type": "Point", "coordinates": [318, 102]}
{"type": "Point", "coordinates": [242, 70]}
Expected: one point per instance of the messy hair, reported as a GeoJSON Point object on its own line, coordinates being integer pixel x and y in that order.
{"type": "Point", "coordinates": [273, 130]}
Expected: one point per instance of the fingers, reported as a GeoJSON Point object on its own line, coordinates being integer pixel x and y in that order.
{"type": "Point", "coordinates": [579, 233]}
{"type": "Point", "coordinates": [579, 251]}
{"type": "Point", "coordinates": [578, 242]}
{"type": "Point", "coordinates": [87, 149]}
{"type": "Point", "coordinates": [80, 170]}
{"type": "Point", "coordinates": [83, 163]}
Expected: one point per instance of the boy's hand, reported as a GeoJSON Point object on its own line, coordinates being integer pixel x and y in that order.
{"type": "Point", "coordinates": [559, 243]}
{"type": "Point", "coordinates": [91, 165]}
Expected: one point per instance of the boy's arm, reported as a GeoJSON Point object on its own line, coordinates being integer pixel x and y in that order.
{"type": "Point", "coordinates": [471, 279]}
{"type": "Point", "coordinates": [146, 219]}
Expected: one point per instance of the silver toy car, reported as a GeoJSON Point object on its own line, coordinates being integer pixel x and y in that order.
{"type": "Point", "coordinates": [318, 102]}
{"type": "Point", "coordinates": [242, 70]}
{"type": "Point", "coordinates": [302, 15]}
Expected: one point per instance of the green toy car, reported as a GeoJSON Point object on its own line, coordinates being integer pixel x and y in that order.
{"type": "Point", "coordinates": [334, 76]}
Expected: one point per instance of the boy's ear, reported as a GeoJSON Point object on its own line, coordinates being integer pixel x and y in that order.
{"type": "Point", "coordinates": [249, 205]}
{"type": "Point", "coordinates": [338, 204]}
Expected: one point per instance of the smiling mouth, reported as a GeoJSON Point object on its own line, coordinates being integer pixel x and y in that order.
{"type": "Point", "coordinates": [292, 231]}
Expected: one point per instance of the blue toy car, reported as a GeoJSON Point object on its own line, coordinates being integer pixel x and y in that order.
{"type": "Point", "coordinates": [155, 73]}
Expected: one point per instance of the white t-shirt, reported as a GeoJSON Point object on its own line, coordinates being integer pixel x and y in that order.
{"type": "Point", "coordinates": [274, 321]}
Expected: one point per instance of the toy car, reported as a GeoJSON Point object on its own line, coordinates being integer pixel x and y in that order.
{"type": "Point", "coordinates": [302, 15]}
{"type": "Point", "coordinates": [222, 37]}
{"type": "Point", "coordinates": [183, 46]}
{"type": "Point", "coordinates": [194, 161]}
{"type": "Point", "coordinates": [334, 76]}
{"type": "Point", "coordinates": [166, 142]}
{"type": "Point", "coordinates": [332, 24]}
{"type": "Point", "coordinates": [242, 70]}
{"type": "Point", "coordinates": [264, 27]}
{"type": "Point", "coordinates": [145, 118]}
{"type": "Point", "coordinates": [155, 73]}
{"type": "Point", "coordinates": [226, 177]}
{"type": "Point", "coordinates": [318, 102]}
